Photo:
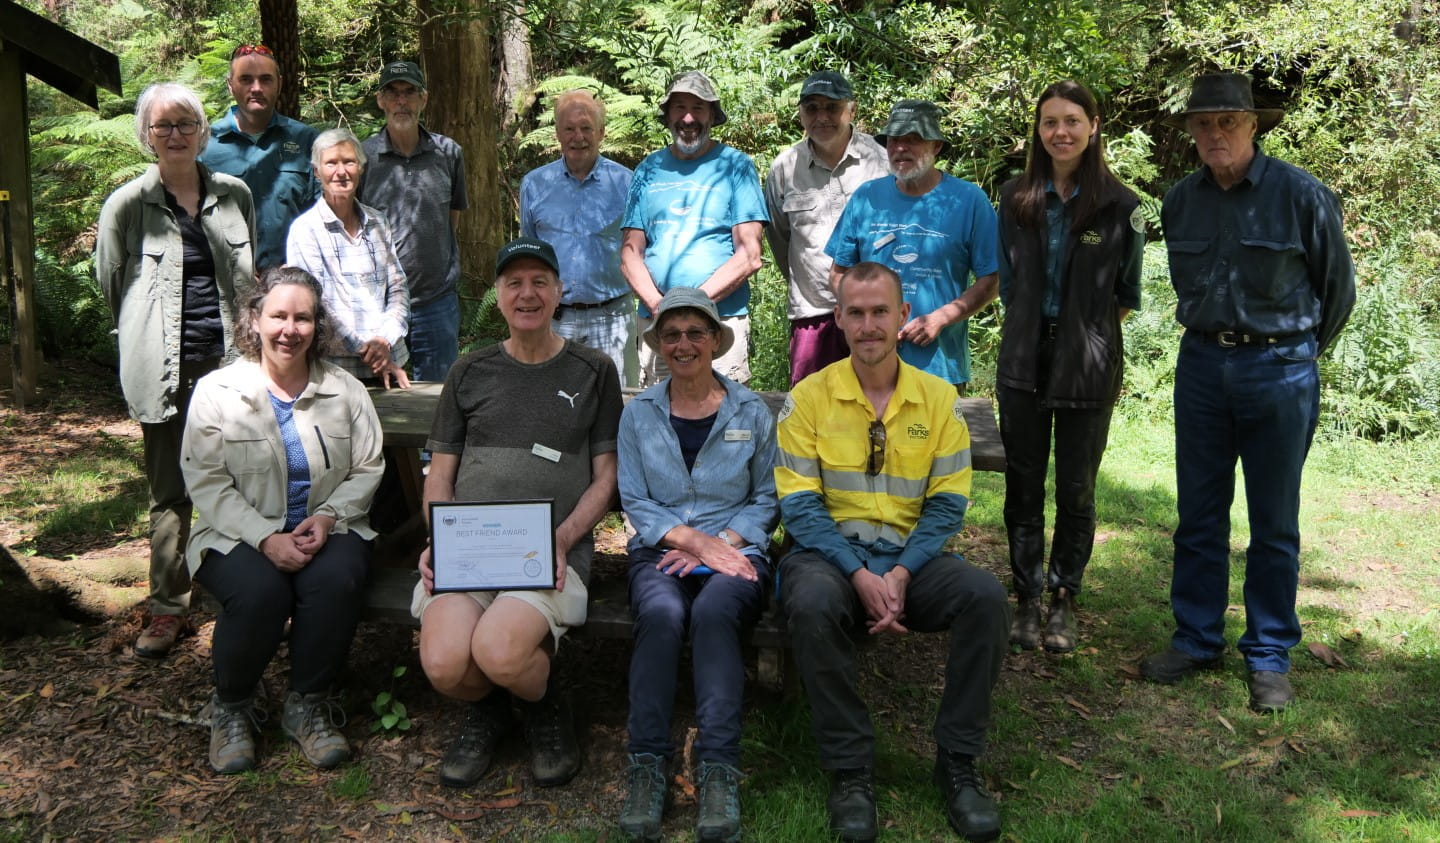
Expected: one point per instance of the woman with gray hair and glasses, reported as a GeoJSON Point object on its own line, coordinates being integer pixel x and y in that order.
{"type": "Point", "coordinates": [348, 246]}
{"type": "Point", "coordinates": [172, 252]}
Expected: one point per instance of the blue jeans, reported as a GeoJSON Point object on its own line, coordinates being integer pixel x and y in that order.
{"type": "Point", "coordinates": [434, 338]}
{"type": "Point", "coordinates": [1258, 404]}
{"type": "Point", "coordinates": [717, 610]}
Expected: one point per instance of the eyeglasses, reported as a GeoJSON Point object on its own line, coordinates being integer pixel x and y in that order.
{"type": "Point", "coordinates": [251, 49]}
{"type": "Point", "coordinates": [694, 335]}
{"type": "Point", "coordinates": [876, 463]}
{"type": "Point", "coordinates": [184, 127]}
{"type": "Point", "coordinates": [832, 107]}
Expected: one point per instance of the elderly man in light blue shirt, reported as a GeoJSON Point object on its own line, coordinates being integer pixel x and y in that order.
{"type": "Point", "coordinates": [575, 204]}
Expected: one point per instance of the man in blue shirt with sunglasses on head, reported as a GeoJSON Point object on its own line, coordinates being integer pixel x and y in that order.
{"type": "Point", "coordinates": [268, 151]}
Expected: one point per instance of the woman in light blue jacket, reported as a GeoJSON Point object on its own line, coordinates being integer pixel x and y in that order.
{"type": "Point", "coordinates": [696, 474]}
{"type": "Point", "coordinates": [172, 251]}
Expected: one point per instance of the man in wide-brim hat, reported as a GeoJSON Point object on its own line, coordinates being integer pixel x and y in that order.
{"type": "Point", "coordinates": [1264, 283]}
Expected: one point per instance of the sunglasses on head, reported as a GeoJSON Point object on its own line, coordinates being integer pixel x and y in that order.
{"type": "Point", "coordinates": [252, 49]}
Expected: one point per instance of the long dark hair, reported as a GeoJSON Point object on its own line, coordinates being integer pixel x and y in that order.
{"type": "Point", "coordinates": [247, 338]}
{"type": "Point", "coordinates": [1092, 176]}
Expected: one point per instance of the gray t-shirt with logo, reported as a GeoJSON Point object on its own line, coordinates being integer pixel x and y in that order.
{"type": "Point", "coordinates": [526, 430]}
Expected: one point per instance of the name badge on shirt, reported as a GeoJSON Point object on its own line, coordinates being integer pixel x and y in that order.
{"type": "Point", "coordinates": [545, 453]}
{"type": "Point", "coordinates": [889, 238]}
{"type": "Point", "coordinates": [737, 436]}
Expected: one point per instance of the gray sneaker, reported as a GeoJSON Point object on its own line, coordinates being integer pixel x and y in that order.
{"type": "Point", "coordinates": [232, 735]}
{"type": "Point", "coordinates": [719, 820]}
{"type": "Point", "coordinates": [645, 802]}
{"type": "Point", "coordinates": [313, 721]}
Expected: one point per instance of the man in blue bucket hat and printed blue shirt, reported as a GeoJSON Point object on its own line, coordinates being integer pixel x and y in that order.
{"type": "Point", "coordinates": [1265, 283]}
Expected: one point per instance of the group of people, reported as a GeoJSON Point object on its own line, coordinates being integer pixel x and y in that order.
{"type": "Point", "coordinates": [867, 464]}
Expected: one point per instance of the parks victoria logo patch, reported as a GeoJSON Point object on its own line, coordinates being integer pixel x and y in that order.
{"type": "Point", "coordinates": [786, 410]}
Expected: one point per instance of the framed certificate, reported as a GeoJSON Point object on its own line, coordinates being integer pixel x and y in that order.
{"type": "Point", "coordinates": [492, 546]}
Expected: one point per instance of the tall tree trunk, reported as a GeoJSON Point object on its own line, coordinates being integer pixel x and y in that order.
{"type": "Point", "coordinates": [456, 52]}
{"type": "Point", "coordinates": [280, 31]}
{"type": "Point", "coordinates": [516, 75]}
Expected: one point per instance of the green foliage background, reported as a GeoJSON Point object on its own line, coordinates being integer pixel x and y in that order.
{"type": "Point", "coordinates": [1359, 82]}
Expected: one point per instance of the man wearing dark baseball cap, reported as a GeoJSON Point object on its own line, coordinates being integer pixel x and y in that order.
{"type": "Point", "coordinates": [417, 178]}
{"type": "Point", "coordinates": [694, 219]}
{"type": "Point", "coordinates": [1264, 284]}
{"type": "Point", "coordinates": [534, 416]}
{"type": "Point", "coordinates": [934, 230]}
{"type": "Point", "coordinates": [805, 193]}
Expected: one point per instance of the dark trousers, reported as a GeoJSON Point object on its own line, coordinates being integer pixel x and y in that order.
{"type": "Point", "coordinates": [1026, 426]}
{"type": "Point", "coordinates": [321, 601]}
{"type": "Point", "coordinates": [1257, 404]}
{"type": "Point", "coordinates": [169, 502]}
{"type": "Point", "coordinates": [717, 610]}
{"type": "Point", "coordinates": [822, 611]}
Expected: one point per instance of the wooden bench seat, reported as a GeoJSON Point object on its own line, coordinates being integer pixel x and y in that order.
{"type": "Point", "coordinates": [405, 417]}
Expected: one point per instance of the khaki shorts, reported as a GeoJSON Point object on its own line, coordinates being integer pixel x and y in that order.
{"type": "Point", "coordinates": [561, 609]}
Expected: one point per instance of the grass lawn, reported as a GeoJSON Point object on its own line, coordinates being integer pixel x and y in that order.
{"type": "Point", "coordinates": [1082, 750]}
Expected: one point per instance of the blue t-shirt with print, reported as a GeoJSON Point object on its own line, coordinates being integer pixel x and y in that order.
{"type": "Point", "coordinates": [934, 243]}
{"type": "Point", "coordinates": [686, 209]}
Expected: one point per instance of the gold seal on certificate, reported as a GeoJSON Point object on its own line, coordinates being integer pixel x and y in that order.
{"type": "Point", "coordinates": [492, 546]}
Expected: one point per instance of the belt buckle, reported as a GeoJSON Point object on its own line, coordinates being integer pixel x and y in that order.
{"type": "Point", "coordinates": [1226, 339]}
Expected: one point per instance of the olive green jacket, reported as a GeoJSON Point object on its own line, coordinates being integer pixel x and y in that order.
{"type": "Point", "coordinates": [139, 261]}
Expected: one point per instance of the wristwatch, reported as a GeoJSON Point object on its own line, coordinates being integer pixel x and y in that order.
{"type": "Point", "coordinates": [731, 538]}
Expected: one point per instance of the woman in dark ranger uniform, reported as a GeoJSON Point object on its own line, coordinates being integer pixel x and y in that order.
{"type": "Point", "coordinates": [1071, 239]}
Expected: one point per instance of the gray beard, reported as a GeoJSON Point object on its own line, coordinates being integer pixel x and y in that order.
{"type": "Point", "coordinates": [690, 148]}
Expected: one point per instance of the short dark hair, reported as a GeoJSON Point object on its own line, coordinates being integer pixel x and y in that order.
{"type": "Point", "coordinates": [870, 271]}
{"type": "Point", "coordinates": [247, 337]}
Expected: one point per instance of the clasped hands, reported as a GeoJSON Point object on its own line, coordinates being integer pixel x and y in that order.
{"type": "Point", "coordinates": [715, 553]}
{"type": "Point", "coordinates": [293, 550]}
{"type": "Point", "coordinates": [883, 598]}
{"type": "Point", "coordinates": [375, 353]}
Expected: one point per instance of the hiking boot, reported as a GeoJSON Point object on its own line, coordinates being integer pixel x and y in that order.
{"type": "Point", "coordinates": [156, 641]}
{"type": "Point", "coordinates": [968, 805]}
{"type": "Point", "coordinates": [1270, 691]}
{"type": "Point", "coordinates": [851, 805]}
{"type": "Point", "coordinates": [487, 722]}
{"type": "Point", "coordinates": [1025, 629]}
{"type": "Point", "coordinates": [719, 803]}
{"type": "Point", "coordinates": [645, 802]}
{"type": "Point", "coordinates": [232, 734]}
{"type": "Point", "coordinates": [550, 733]}
{"type": "Point", "coordinates": [313, 721]}
{"type": "Point", "coordinates": [1060, 634]}
{"type": "Point", "coordinates": [1171, 666]}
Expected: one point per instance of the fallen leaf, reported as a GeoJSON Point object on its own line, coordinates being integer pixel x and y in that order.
{"type": "Point", "coordinates": [1270, 743]}
{"type": "Point", "coordinates": [1326, 655]}
{"type": "Point", "coordinates": [1070, 762]}
{"type": "Point", "coordinates": [1232, 763]}
{"type": "Point", "coordinates": [1290, 799]}
{"type": "Point", "coordinates": [48, 691]}
{"type": "Point", "coordinates": [509, 791]}
{"type": "Point", "coordinates": [1358, 813]}
{"type": "Point", "coordinates": [1218, 816]}
{"type": "Point", "coordinates": [1076, 704]}
{"type": "Point", "coordinates": [1225, 723]}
